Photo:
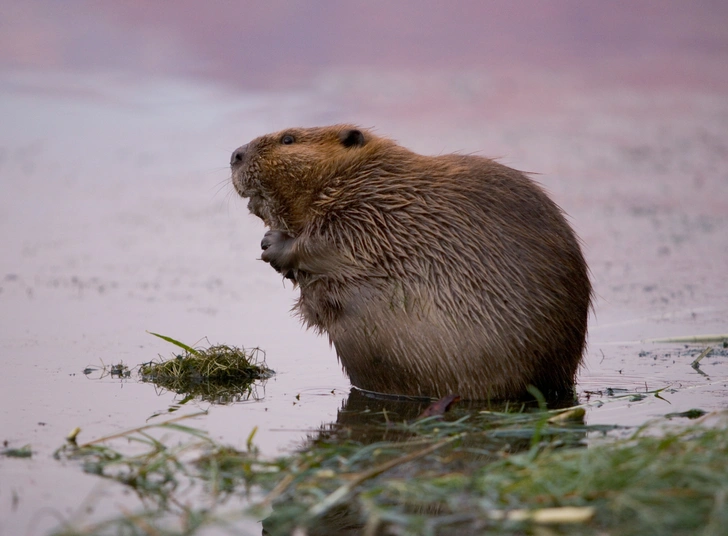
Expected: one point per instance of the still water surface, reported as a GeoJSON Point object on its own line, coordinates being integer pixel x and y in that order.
{"type": "Point", "coordinates": [117, 216]}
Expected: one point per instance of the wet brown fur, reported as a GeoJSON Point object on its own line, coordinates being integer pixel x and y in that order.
{"type": "Point", "coordinates": [430, 275]}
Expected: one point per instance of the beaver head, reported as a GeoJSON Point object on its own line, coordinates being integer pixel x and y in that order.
{"type": "Point", "coordinates": [284, 173]}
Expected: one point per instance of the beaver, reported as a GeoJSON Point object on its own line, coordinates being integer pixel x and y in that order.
{"type": "Point", "coordinates": [431, 275]}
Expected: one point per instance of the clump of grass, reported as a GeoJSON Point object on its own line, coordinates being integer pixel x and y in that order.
{"type": "Point", "coordinates": [220, 374]}
{"type": "Point", "coordinates": [179, 473]}
{"type": "Point", "coordinates": [669, 482]}
{"type": "Point", "coordinates": [23, 452]}
{"type": "Point", "coordinates": [470, 473]}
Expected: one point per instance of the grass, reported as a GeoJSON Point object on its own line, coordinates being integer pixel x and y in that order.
{"type": "Point", "coordinates": [514, 470]}
{"type": "Point", "coordinates": [22, 452]}
{"type": "Point", "coordinates": [218, 374]}
{"type": "Point", "coordinates": [473, 472]}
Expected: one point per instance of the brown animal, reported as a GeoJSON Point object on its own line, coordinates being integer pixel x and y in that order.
{"type": "Point", "coordinates": [431, 275]}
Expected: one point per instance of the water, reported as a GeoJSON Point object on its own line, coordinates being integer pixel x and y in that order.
{"type": "Point", "coordinates": [117, 216]}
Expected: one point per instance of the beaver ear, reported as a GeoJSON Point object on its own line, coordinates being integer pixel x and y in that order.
{"type": "Point", "coordinates": [352, 138]}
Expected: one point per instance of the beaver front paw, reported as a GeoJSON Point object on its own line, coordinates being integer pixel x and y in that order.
{"type": "Point", "coordinates": [277, 249]}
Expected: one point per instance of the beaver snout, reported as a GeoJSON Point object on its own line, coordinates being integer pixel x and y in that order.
{"type": "Point", "coordinates": [238, 155]}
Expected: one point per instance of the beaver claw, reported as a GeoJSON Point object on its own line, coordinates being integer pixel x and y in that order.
{"type": "Point", "coordinates": [276, 246]}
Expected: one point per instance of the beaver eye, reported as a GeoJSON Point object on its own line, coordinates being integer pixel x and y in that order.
{"type": "Point", "coordinates": [287, 139]}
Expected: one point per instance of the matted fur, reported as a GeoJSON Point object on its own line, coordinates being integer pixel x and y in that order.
{"type": "Point", "coordinates": [431, 275]}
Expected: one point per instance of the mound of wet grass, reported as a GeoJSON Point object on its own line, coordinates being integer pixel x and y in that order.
{"type": "Point", "coordinates": [220, 374]}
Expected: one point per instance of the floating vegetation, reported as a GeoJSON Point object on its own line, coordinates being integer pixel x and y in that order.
{"type": "Point", "coordinates": [219, 374]}
{"type": "Point", "coordinates": [117, 371]}
{"type": "Point", "coordinates": [161, 464]}
{"type": "Point", "coordinates": [120, 370]}
{"type": "Point", "coordinates": [471, 473]}
{"type": "Point", "coordinates": [721, 338]}
{"type": "Point", "coordinates": [22, 452]}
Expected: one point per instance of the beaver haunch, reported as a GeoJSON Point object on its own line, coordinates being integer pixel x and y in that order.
{"type": "Point", "coordinates": [431, 275]}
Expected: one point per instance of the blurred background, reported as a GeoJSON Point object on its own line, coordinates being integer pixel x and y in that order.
{"type": "Point", "coordinates": [117, 120]}
{"type": "Point", "coordinates": [284, 45]}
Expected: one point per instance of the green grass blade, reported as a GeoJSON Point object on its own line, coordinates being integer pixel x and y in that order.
{"type": "Point", "coordinates": [175, 342]}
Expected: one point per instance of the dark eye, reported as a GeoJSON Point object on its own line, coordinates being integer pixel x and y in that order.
{"type": "Point", "coordinates": [287, 139]}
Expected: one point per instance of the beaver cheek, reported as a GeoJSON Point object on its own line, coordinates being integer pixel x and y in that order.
{"type": "Point", "coordinates": [237, 181]}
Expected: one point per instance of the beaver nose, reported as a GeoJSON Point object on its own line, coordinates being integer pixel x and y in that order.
{"type": "Point", "coordinates": [238, 154]}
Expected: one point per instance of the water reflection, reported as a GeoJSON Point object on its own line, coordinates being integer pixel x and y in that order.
{"type": "Point", "coordinates": [375, 434]}
{"type": "Point", "coordinates": [118, 120]}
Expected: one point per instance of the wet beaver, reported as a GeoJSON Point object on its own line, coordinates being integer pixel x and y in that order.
{"type": "Point", "coordinates": [431, 275]}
